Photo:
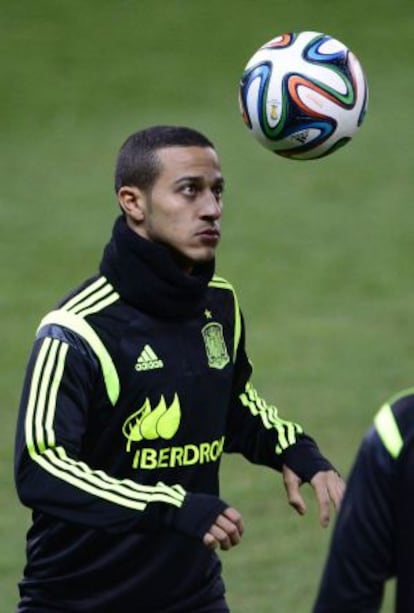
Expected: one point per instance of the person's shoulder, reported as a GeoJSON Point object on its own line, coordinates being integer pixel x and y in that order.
{"type": "Point", "coordinates": [226, 291]}
{"type": "Point", "coordinates": [401, 406]}
{"type": "Point", "coordinates": [85, 307]}
{"type": "Point", "coordinates": [221, 283]}
{"type": "Point", "coordinates": [402, 403]}
{"type": "Point", "coordinates": [91, 296]}
{"type": "Point", "coordinates": [393, 426]}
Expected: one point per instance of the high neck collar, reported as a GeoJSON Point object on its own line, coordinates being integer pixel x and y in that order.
{"type": "Point", "coordinates": [145, 275]}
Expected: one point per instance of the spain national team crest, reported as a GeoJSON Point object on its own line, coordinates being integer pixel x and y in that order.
{"type": "Point", "coordinates": [215, 345]}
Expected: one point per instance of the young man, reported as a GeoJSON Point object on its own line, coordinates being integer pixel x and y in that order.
{"type": "Point", "coordinates": [373, 539]}
{"type": "Point", "coordinates": [136, 385]}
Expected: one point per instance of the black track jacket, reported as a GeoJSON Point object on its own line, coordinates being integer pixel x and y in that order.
{"type": "Point", "coordinates": [136, 385]}
{"type": "Point", "coordinates": [373, 539]}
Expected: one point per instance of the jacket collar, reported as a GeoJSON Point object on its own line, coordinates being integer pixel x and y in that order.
{"type": "Point", "coordinates": [145, 275]}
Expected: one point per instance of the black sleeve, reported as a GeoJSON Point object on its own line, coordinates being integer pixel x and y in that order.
{"type": "Point", "coordinates": [404, 538]}
{"type": "Point", "coordinates": [256, 430]}
{"type": "Point", "coordinates": [361, 555]}
{"type": "Point", "coordinates": [50, 475]}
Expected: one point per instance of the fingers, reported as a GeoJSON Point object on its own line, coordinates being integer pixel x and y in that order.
{"type": "Point", "coordinates": [292, 484]}
{"type": "Point", "coordinates": [236, 518]}
{"type": "Point", "coordinates": [226, 532]}
{"type": "Point", "coordinates": [329, 488]}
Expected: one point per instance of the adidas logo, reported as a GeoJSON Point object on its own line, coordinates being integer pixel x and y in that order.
{"type": "Point", "coordinates": [301, 137]}
{"type": "Point", "coordinates": [148, 360]}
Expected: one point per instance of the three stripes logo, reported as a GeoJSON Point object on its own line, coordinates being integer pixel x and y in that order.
{"type": "Point", "coordinates": [148, 360]}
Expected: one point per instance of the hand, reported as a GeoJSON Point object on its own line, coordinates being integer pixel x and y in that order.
{"type": "Point", "coordinates": [226, 532]}
{"type": "Point", "coordinates": [327, 485]}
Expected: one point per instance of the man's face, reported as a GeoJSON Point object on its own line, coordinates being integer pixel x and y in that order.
{"type": "Point", "coordinates": [184, 207]}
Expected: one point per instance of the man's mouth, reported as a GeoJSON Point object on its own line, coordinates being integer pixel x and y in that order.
{"type": "Point", "coordinates": [212, 233]}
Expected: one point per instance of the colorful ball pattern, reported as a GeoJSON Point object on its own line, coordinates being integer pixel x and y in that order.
{"type": "Point", "coordinates": [303, 95]}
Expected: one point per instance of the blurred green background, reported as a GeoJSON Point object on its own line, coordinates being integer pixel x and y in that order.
{"type": "Point", "coordinates": [321, 251]}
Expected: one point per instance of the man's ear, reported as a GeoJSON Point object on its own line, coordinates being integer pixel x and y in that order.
{"type": "Point", "coordinates": [132, 201]}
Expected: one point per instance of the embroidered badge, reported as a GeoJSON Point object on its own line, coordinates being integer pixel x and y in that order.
{"type": "Point", "coordinates": [215, 345]}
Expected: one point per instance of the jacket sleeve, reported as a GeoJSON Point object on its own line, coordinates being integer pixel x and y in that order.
{"type": "Point", "coordinates": [256, 430]}
{"type": "Point", "coordinates": [361, 554]}
{"type": "Point", "coordinates": [373, 538]}
{"type": "Point", "coordinates": [51, 473]}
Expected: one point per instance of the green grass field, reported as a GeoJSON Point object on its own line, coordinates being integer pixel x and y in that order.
{"type": "Point", "coordinates": [321, 252]}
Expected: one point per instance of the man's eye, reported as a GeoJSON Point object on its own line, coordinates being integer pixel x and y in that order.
{"type": "Point", "coordinates": [189, 190]}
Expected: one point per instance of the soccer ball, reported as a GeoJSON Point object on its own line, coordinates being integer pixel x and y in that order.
{"type": "Point", "coordinates": [303, 95]}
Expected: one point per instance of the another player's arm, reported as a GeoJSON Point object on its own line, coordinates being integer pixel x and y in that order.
{"type": "Point", "coordinates": [360, 557]}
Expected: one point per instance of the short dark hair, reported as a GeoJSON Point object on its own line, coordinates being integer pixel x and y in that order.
{"type": "Point", "coordinates": [137, 163]}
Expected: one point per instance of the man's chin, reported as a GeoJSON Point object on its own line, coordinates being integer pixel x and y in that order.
{"type": "Point", "coordinates": [187, 262]}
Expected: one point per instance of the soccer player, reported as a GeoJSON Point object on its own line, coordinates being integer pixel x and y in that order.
{"type": "Point", "coordinates": [137, 383]}
{"type": "Point", "coordinates": [373, 539]}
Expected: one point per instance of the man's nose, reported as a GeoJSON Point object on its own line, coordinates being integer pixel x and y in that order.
{"type": "Point", "coordinates": [211, 206]}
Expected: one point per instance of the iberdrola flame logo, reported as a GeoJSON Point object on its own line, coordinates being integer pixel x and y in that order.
{"type": "Point", "coordinates": [149, 424]}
